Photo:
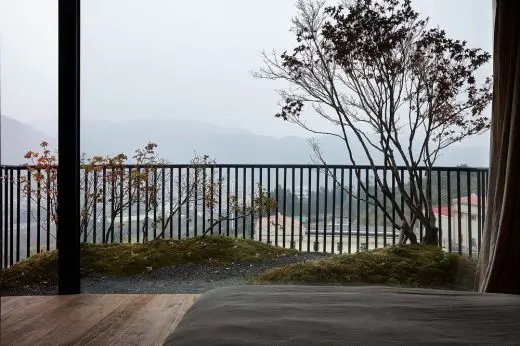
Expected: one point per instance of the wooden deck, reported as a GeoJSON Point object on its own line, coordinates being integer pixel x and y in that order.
{"type": "Point", "coordinates": [86, 319]}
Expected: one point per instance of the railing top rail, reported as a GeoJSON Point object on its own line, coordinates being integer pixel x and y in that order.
{"type": "Point", "coordinates": [267, 166]}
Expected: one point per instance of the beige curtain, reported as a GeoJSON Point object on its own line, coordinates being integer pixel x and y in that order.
{"type": "Point", "coordinates": [499, 269]}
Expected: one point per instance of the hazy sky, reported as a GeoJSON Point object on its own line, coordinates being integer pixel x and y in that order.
{"type": "Point", "coordinates": [181, 59]}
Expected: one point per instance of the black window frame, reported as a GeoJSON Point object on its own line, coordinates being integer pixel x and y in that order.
{"type": "Point", "coordinates": [68, 239]}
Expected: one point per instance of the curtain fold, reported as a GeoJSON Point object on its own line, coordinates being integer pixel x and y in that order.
{"type": "Point", "coordinates": [499, 266]}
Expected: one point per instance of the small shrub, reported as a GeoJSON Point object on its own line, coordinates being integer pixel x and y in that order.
{"type": "Point", "coordinates": [410, 266]}
{"type": "Point", "coordinates": [133, 259]}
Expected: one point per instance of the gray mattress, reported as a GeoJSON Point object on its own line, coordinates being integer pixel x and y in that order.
{"type": "Point", "coordinates": [323, 315]}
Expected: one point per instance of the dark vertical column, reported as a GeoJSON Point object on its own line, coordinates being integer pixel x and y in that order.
{"type": "Point", "coordinates": [3, 240]}
{"type": "Point", "coordinates": [68, 147]}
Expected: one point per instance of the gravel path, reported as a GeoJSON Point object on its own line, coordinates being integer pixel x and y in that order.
{"type": "Point", "coordinates": [189, 278]}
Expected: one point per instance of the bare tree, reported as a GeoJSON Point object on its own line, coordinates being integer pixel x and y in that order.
{"type": "Point", "coordinates": [104, 180]}
{"type": "Point", "coordinates": [382, 77]}
{"type": "Point", "coordinates": [261, 202]}
{"type": "Point", "coordinates": [193, 188]}
{"type": "Point", "coordinates": [200, 186]}
{"type": "Point", "coordinates": [40, 185]}
{"type": "Point", "coordinates": [128, 186]}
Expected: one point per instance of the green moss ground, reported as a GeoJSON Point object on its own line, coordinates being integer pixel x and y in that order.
{"type": "Point", "coordinates": [133, 259]}
{"type": "Point", "coordinates": [410, 266]}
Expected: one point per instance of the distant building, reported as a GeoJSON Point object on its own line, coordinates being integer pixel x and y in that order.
{"type": "Point", "coordinates": [448, 223]}
{"type": "Point", "coordinates": [270, 229]}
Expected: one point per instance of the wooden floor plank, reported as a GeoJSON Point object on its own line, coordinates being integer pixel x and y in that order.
{"type": "Point", "coordinates": [115, 321]}
{"type": "Point", "coordinates": [133, 319]}
{"type": "Point", "coordinates": [155, 316]}
{"type": "Point", "coordinates": [174, 319]}
{"type": "Point", "coordinates": [70, 324]}
{"type": "Point", "coordinates": [26, 320]}
{"type": "Point", "coordinates": [168, 314]}
{"type": "Point", "coordinates": [11, 303]}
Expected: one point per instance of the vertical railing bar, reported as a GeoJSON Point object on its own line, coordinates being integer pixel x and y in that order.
{"type": "Point", "coordinates": [38, 212]}
{"type": "Point", "coordinates": [484, 193]}
{"type": "Point", "coordinates": [459, 219]}
{"type": "Point", "coordinates": [301, 211]}
{"type": "Point", "coordinates": [112, 203]}
{"type": "Point", "coordinates": [18, 212]}
{"type": "Point", "coordinates": [170, 215]}
{"type": "Point", "coordinates": [470, 203]}
{"type": "Point", "coordinates": [429, 193]}
{"type": "Point", "coordinates": [236, 198]}
{"type": "Point", "coordinates": [439, 205]}
{"type": "Point", "coordinates": [325, 202]}
{"type": "Point", "coordinates": [188, 202]}
{"type": "Point", "coordinates": [333, 228]}
{"type": "Point", "coordinates": [220, 200]}
{"type": "Point", "coordinates": [393, 206]}
{"type": "Point", "coordinates": [84, 207]}
{"type": "Point", "coordinates": [309, 210]}
{"type": "Point", "coordinates": [342, 206]}
{"type": "Point", "coordinates": [316, 241]}
{"type": "Point", "coordinates": [228, 187]}
{"type": "Point", "coordinates": [244, 197]}
{"type": "Point", "coordinates": [479, 211]}
{"type": "Point", "coordinates": [121, 203]}
{"type": "Point", "coordinates": [252, 217]}
{"type": "Point", "coordinates": [204, 196]}
{"type": "Point", "coordinates": [262, 203]}
{"type": "Point", "coordinates": [410, 194]}
{"type": "Point", "coordinates": [48, 207]}
{"type": "Point", "coordinates": [130, 202]}
{"type": "Point", "coordinates": [448, 181]}
{"type": "Point", "coordinates": [358, 209]}
{"type": "Point", "coordinates": [349, 210]}
{"type": "Point", "coordinates": [284, 205]}
{"type": "Point", "coordinates": [137, 209]}
{"type": "Point", "coordinates": [269, 210]}
{"type": "Point", "coordinates": [146, 208]}
{"type": "Point", "coordinates": [196, 200]}
{"type": "Point", "coordinates": [402, 198]}
{"type": "Point", "coordinates": [277, 207]}
{"type": "Point", "coordinates": [212, 197]}
{"type": "Point", "coordinates": [104, 200]}
{"type": "Point", "coordinates": [4, 221]}
{"type": "Point", "coordinates": [385, 207]}
{"type": "Point", "coordinates": [420, 186]}
{"type": "Point", "coordinates": [367, 205]}
{"type": "Point", "coordinates": [29, 212]}
{"type": "Point", "coordinates": [376, 226]}
{"type": "Point", "coordinates": [11, 216]}
{"type": "Point", "coordinates": [293, 192]}
{"type": "Point", "coordinates": [3, 173]}
{"type": "Point", "coordinates": [179, 203]}
{"type": "Point", "coordinates": [5, 184]}
{"type": "Point", "coordinates": [163, 202]}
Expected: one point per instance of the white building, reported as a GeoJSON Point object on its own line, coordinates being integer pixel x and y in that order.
{"type": "Point", "coordinates": [319, 238]}
{"type": "Point", "coordinates": [470, 225]}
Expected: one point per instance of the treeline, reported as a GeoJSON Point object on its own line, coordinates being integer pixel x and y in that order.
{"type": "Point", "coordinates": [444, 188]}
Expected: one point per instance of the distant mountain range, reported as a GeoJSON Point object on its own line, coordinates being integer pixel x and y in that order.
{"type": "Point", "coordinates": [178, 140]}
{"type": "Point", "coordinates": [16, 138]}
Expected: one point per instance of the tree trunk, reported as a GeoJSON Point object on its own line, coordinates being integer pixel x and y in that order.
{"type": "Point", "coordinates": [109, 232]}
{"type": "Point", "coordinates": [144, 229]}
{"type": "Point", "coordinates": [407, 234]}
{"type": "Point", "coordinates": [111, 228]}
{"type": "Point", "coordinates": [431, 233]}
{"type": "Point", "coordinates": [431, 236]}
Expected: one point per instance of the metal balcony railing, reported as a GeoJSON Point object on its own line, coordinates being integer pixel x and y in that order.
{"type": "Point", "coordinates": [318, 208]}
